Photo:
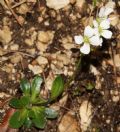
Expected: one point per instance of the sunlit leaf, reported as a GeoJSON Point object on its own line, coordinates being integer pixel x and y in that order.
{"type": "Point", "coordinates": [39, 119]}
{"type": "Point", "coordinates": [25, 86]}
{"type": "Point", "coordinates": [35, 88]}
{"type": "Point", "coordinates": [40, 101]}
{"type": "Point", "coordinates": [28, 122]}
{"type": "Point", "coordinates": [20, 103]}
{"type": "Point", "coordinates": [18, 118]}
{"type": "Point", "coordinates": [14, 102]}
{"type": "Point", "coordinates": [57, 87]}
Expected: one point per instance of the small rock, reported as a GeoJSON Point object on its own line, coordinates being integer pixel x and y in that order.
{"type": "Point", "coordinates": [94, 70]}
{"type": "Point", "coordinates": [68, 124]}
{"type": "Point", "coordinates": [115, 98]}
{"type": "Point", "coordinates": [72, 1]}
{"type": "Point", "coordinates": [3, 95]}
{"type": "Point", "coordinates": [57, 4]}
{"type": "Point", "coordinates": [5, 35]}
{"type": "Point", "coordinates": [42, 60]}
{"type": "Point", "coordinates": [85, 115]}
{"type": "Point", "coordinates": [114, 19]}
{"type": "Point", "coordinates": [30, 41]}
{"type": "Point", "coordinates": [80, 3]}
{"type": "Point", "coordinates": [46, 23]}
{"type": "Point", "coordinates": [45, 37]}
{"type": "Point", "coordinates": [118, 80]}
{"type": "Point", "coordinates": [40, 46]}
{"type": "Point", "coordinates": [108, 121]}
{"type": "Point", "coordinates": [2, 2]}
{"type": "Point", "coordinates": [23, 9]}
{"type": "Point", "coordinates": [14, 47]}
{"type": "Point", "coordinates": [21, 20]}
{"type": "Point", "coordinates": [63, 58]}
{"type": "Point", "coordinates": [8, 68]}
{"type": "Point", "coordinates": [16, 58]}
{"type": "Point", "coordinates": [55, 69]}
{"type": "Point", "coordinates": [40, 19]}
{"type": "Point", "coordinates": [31, 51]}
{"type": "Point", "coordinates": [98, 82]}
{"type": "Point", "coordinates": [116, 59]}
{"type": "Point", "coordinates": [67, 43]}
{"type": "Point", "coordinates": [35, 69]}
{"type": "Point", "coordinates": [6, 21]}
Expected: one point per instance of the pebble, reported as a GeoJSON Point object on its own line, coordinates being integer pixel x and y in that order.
{"type": "Point", "coordinates": [23, 9]}
{"type": "Point", "coordinates": [42, 60]}
{"type": "Point", "coordinates": [115, 98]}
{"type": "Point", "coordinates": [5, 35]}
{"type": "Point", "coordinates": [35, 69]}
{"type": "Point", "coordinates": [45, 37]}
{"type": "Point", "coordinates": [41, 46]}
{"type": "Point", "coordinates": [63, 58]}
{"type": "Point", "coordinates": [16, 58]}
{"type": "Point", "coordinates": [85, 112]}
{"type": "Point", "coordinates": [57, 4]}
{"type": "Point", "coordinates": [31, 51]}
{"type": "Point", "coordinates": [14, 47]}
{"type": "Point", "coordinates": [30, 41]}
{"type": "Point", "coordinates": [80, 3]}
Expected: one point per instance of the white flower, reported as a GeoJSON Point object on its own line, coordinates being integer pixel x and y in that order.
{"type": "Point", "coordinates": [101, 28]}
{"type": "Point", "coordinates": [88, 39]}
{"type": "Point", "coordinates": [105, 11]}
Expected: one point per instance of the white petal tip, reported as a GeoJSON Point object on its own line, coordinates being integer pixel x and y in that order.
{"type": "Point", "coordinates": [78, 39]}
{"type": "Point", "coordinates": [85, 49]}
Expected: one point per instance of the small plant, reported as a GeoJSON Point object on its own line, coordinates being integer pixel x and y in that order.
{"type": "Point", "coordinates": [32, 108]}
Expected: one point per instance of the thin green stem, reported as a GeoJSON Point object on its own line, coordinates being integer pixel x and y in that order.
{"type": "Point", "coordinates": [78, 67]}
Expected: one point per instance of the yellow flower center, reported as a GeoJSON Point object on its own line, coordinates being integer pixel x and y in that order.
{"type": "Point", "coordinates": [86, 39]}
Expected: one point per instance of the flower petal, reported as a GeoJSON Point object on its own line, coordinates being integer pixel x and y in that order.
{"type": "Point", "coordinates": [107, 34]}
{"type": "Point", "coordinates": [96, 31]}
{"type": "Point", "coordinates": [101, 12]}
{"type": "Point", "coordinates": [95, 40]}
{"type": "Point", "coordinates": [85, 49]}
{"type": "Point", "coordinates": [101, 41]}
{"type": "Point", "coordinates": [108, 10]}
{"type": "Point", "coordinates": [95, 23]}
{"type": "Point", "coordinates": [88, 31]}
{"type": "Point", "coordinates": [105, 24]}
{"type": "Point", "coordinates": [78, 39]}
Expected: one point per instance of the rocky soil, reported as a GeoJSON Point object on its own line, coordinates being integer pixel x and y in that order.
{"type": "Point", "coordinates": [36, 37]}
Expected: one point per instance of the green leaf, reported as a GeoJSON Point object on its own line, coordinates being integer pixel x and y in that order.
{"type": "Point", "coordinates": [35, 88]}
{"type": "Point", "coordinates": [14, 102]}
{"type": "Point", "coordinates": [39, 119]}
{"type": "Point", "coordinates": [18, 118]}
{"type": "Point", "coordinates": [25, 86]}
{"type": "Point", "coordinates": [50, 113]}
{"type": "Point", "coordinates": [89, 86]}
{"type": "Point", "coordinates": [28, 122]}
{"type": "Point", "coordinates": [25, 100]}
{"type": "Point", "coordinates": [57, 87]}
{"type": "Point", "coordinates": [31, 114]}
{"type": "Point", "coordinates": [40, 101]}
{"type": "Point", "coordinates": [20, 103]}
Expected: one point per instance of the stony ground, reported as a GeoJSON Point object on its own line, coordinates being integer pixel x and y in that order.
{"type": "Point", "coordinates": [37, 39]}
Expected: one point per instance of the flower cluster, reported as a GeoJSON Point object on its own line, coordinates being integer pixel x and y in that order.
{"type": "Point", "coordinates": [93, 35]}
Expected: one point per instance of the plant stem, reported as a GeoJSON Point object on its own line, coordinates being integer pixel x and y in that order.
{"type": "Point", "coordinates": [78, 67]}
